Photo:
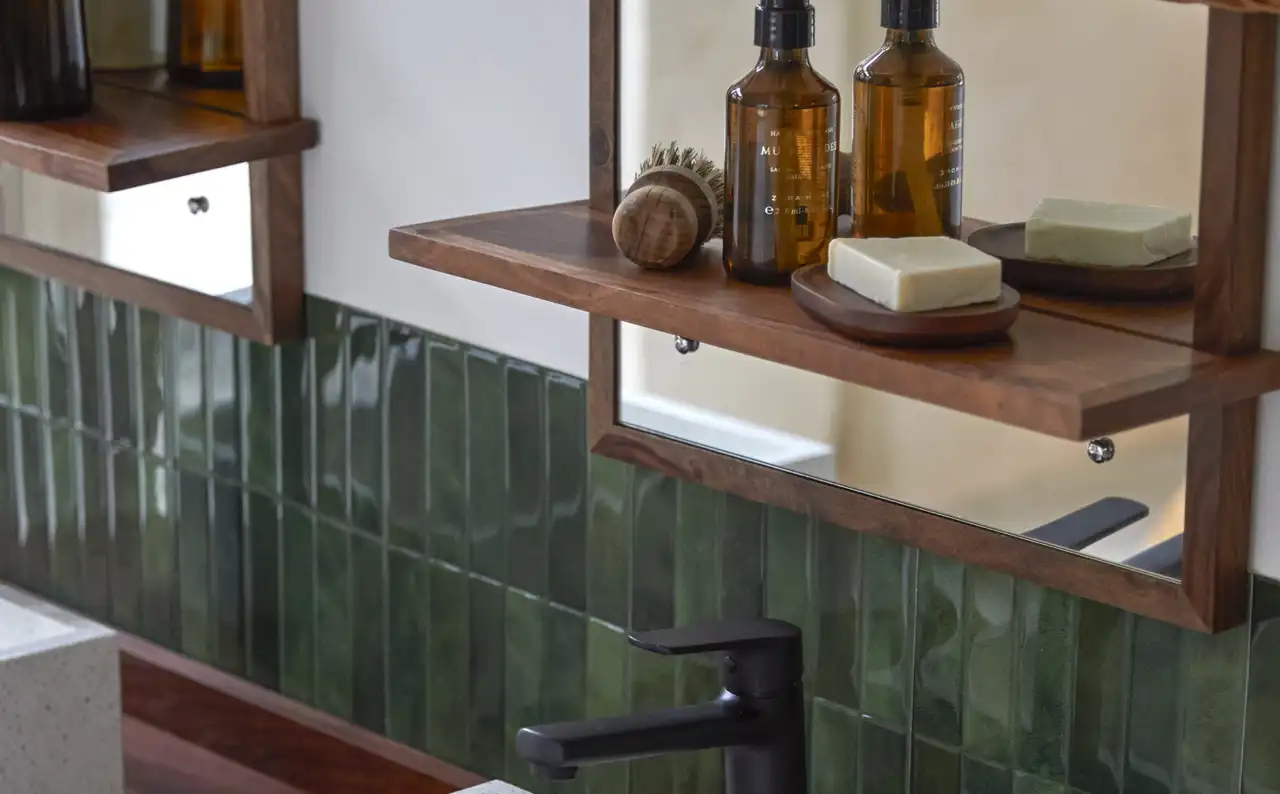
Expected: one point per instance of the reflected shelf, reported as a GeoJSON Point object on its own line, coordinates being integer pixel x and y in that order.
{"type": "Point", "coordinates": [1068, 376]}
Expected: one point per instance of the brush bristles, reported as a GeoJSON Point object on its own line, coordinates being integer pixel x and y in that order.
{"type": "Point", "coordinates": [695, 161]}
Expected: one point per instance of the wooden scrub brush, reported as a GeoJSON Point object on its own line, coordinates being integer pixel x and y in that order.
{"type": "Point", "coordinates": [674, 206]}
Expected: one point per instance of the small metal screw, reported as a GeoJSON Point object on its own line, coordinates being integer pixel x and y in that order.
{"type": "Point", "coordinates": [686, 346]}
{"type": "Point", "coordinates": [1102, 450]}
{"type": "Point", "coordinates": [198, 205]}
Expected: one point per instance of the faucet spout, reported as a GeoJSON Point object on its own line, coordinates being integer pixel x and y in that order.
{"type": "Point", "coordinates": [559, 749]}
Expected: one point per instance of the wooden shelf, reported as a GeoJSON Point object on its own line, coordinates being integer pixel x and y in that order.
{"type": "Point", "coordinates": [135, 137]}
{"type": "Point", "coordinates": [1066, 376]}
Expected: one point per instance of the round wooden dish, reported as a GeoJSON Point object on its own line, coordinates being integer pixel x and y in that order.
{"type": "Point", "coordinates": [849, 314]}
{"type": "Point", "coordinates": [1168, 280]}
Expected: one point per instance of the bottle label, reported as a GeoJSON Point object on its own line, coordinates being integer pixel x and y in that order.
{"type": "Point", "coordinates": [951, 169]}
{"type": "Point", "coordinates": [798, 150]}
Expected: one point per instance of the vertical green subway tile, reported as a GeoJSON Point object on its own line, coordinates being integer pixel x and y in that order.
{"type": "Point", "coordinates": [9, 484]}
{"type": "Point", "coordinates": [259, 419]}
{"type": "Point", "coordinates": [1100, 710]}
{"type": "Point", "coordinates": [528, 557]}
{"type": "Point", "coordinates": [447, 461]}
{"type": "Point", "coordinates": [34, 533]}
{"type": "Point", "coordinates": [369, 641]}
{"type": "Point", "coordinates": [934, 769]}
{"type": "Point", "coordinates": [58, 344]}
{"type": "Point", "coordinates": [222, 399]}
{"type": "Point", "coordinates": [8, 334]}
{"type": "Point", "coordinates": [1154, 708]}
{"type": "Point", "coordinates": [123, 328]}
{"type": "Point", "coordinates": [406, 438]}
{"type": "Point", "coordinates": [609, 531]}
{"type": "Point", "coordinates": [989, 682]}
{"type": "Point", "coordinates": [699, 526]}
{"type": "Point", "coordinates": [836, 586]}
{"type": "Point", "coordinates": [448, 658]}
{"type": "Point", "coordinates": [653, 551]}
{"type": "Point", "coordinates": [1213, 705]}
{"type": "Point", "coordinates": [980, 777]}
{"type": "Point", "coordinates": [298, 635]}
{"type": "Point", "coordinates": [486, 746]}
{"type": "Point", "coordinates": [697, 681]}
{"type": "Point", "coordinates": [161, 593]}
{"type": "Point", "coordinates": [194, 566]}
{"type": "Point", "coordinates": [334, 649]}
{"type": "Point", "coordinates": [486, 463]}
{"type": "Point", "coordinates": [607, 695]}
{"type": "Point", "coordinates": [365, 432]}
{"type": "Point", "coordinates": [1026, 783]}
{"type": "Point", "coordinates": [526, 655]}
{"type": "Point", "coordinates": [153, 378]}
{"type": "Point", "coordinates": [227, 547]}
{"type": "Point", "coordinates": [1044, 674]}
{"type": "Point", "coordinates": [66, 542]}
{"type": "Point", "coordinates": [93, 377]}
{"type": "Point", "coordinates": [567, 488]}
{"type": "Point", "coordinates": [96, 526]}
{"type": "Point", "coordinates": [25, 323]}
{"type": "Point", "coordinates": [187, 395]}
{"type": "Point", "coordinates": [297, 440]}
{"type": "Point", "coordinates": [127, 549]}
{"type": "Point", "coordinates": [833, 749]}
{"type": "Point", "coordinates": [742, 558]}
{"type": "Point", "coordinates": [564, 667]}
{"type": "Point", "coordinates": [882, 759]}
{"type": "Point", "coordinates": [888, 610]}
{"type": "Point", "coordinates": [1261, 774]}
{"type": "Point", "coordinates": [329, 327]}
{"type": "Point", "coordinates": [408, 608]}
{"type": "Point", "coordinates": [939, 643]}
{"type": "Point", "coordinates": [262, 607]}
{"type": "Point", "coordinates": [653, 687]}
{"type": "Point", "coordinates": [789, 581]}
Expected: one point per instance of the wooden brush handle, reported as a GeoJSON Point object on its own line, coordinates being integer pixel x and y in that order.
{"type": "Point", "coordinates": [694, 188]}
{"type": "Point", "coordinates": [656, 226]}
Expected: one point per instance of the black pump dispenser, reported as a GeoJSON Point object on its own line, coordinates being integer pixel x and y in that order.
{"type": "Point", "coordinates": [909, 14]}
{"type": "Point", "coordinates": [784, 24]}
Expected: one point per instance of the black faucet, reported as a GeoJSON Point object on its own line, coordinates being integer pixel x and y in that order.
{"type": "Point", "coordinates": [758, 718]}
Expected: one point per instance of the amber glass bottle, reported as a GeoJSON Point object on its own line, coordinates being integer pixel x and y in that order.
{"type": "Point", "coordinates": [781, 152]}
{"type": "Point", "coordinates": [908, 130]}
{"type": "Point", "coordinates": [44, 60]}
{"type": "Point", "coordinates": [205, 43]}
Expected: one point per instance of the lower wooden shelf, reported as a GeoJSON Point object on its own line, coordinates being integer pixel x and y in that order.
{"type": "Point", "coordinates": [1070, 371]}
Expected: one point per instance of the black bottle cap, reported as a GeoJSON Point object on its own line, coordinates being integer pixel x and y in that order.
{"type": "Point", "coordinates": [784, 24]}
{"type": "Point", "coordinates": [909, 14]}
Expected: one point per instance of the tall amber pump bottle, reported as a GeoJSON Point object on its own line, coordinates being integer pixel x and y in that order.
{"type": "Point", "coordinates": [205, 43]}
{"type": "Point", "coordinates": [908, 130]}
{"type": "Point", "coordinates": [781, 153]}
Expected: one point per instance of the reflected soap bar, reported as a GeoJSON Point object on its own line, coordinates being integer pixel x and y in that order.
{"type": "Point", "coordinates": [914, 274]}
{"type": "Point", "coordinates": [1106, 235]}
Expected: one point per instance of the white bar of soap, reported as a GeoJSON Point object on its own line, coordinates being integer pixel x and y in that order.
{"type": "Point", "coordinates": [1106, 235]}
{"type": "Point", "coordinates": [914, 274]}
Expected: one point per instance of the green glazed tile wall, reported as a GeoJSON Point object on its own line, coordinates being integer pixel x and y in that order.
{"type": "Point", "coordinates": [409, 533]}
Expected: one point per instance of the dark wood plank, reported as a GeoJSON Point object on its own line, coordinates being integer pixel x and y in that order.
{"type": "Point", "coordinates": [279, 270]}
{"type": "Point", "coordinates": [156, 762]}
{"type": "Point", "coordinates": [156, 82]}
{"type": "Point", "coordinates": [1165, 322]}
{"type": "Point", "coordinates": [1056, 376]}
{"type": "Point", "coordinates": [133, 138]}
{"type": "Point", "coordinates": [603, 104]}
{"type": "Point", "coordinates": [270, 734]}
{"type": "Point", "coordinates": [1027, 559]}
{"type": "Point", "coordinates": [272, 66]}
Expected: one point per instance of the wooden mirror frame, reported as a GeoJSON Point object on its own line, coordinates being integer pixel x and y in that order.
{"type": "Point", "coordinates": [1212, 594]}
{"type": "Point", "coordinates": [276, 311]}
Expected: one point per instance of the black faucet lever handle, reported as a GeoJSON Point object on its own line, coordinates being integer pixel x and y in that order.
{"type": "Point", "coordinates": [762, 656]}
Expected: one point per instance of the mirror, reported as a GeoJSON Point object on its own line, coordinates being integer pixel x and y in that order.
{"type": "Point", "coordinates": [194, 232]}
{"type": "Point", "coordinates": [1063, 98]}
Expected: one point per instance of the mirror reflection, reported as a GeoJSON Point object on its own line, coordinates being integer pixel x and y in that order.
{"type": "Point", "coordinates": [964, 467]}
{"type": "Point", "coordinates": [194, 232]}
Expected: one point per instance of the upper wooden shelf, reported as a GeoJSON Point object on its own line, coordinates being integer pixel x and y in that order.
{"type": "Point", "coordinates": [1070, 377]}
{"type": "Point", "coordinates": [139, 135]}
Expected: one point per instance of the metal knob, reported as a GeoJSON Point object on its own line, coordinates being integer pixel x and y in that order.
{"type": "Point", "coordinates": [198, 205]}
{"type": "Point", "coordinates": [1101, 450]}
{"type": "Point", "coordinates": [686, 346]}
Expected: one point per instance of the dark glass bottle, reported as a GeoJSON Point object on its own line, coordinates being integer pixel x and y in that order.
{"type": "Point", "coordinates": [44, 60]}
{"type": "Point", "coordinates": [781, 153]}
{"type": "Point", "coordinates": [908, 130]}
{"type": "Point", "coordinates": [206, 43]}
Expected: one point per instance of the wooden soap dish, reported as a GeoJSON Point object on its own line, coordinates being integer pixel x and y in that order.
{"type": "Point", "coordinates": [1168, 280]}
{"type": "Point", "coordinates": [849, 314]}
